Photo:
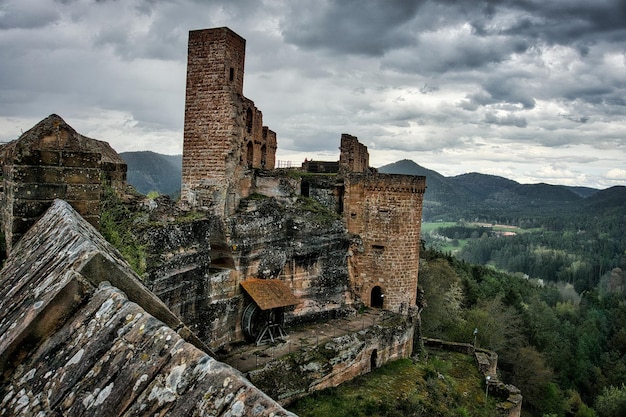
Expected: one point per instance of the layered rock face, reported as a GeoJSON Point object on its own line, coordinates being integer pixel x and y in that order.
{"type": "Point", "coordinates": [196, 265]}
{"type": "Point", "coordinates": [73, 343]}
{"type": "Point", "coordinates": [305, 249]}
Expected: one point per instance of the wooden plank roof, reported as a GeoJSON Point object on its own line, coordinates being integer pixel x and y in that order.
{"type": "Point", "coordinates": [269, 293]}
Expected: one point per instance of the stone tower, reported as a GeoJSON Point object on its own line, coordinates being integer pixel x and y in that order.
{"type": "Point", "coordinates": [224, 136]}
{"type": "Point", "coordinates": [385, 210]}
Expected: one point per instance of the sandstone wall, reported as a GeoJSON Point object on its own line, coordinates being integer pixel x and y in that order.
{"type": "Point", "coordinates": [224, 134]}
{"type": "Point", "coordinates": [338, 360]}
{"type": "Point", "coordinates": [353, 155]}
{"type": "Point", "coordinates": [384, 210]}
{"type": "Point", "coordinates": [51, 161]}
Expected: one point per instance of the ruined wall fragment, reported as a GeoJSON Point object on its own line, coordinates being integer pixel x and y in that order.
{"type": "Point", "coordinates": [224, 134]}
{"type": "Point", "coordinates": [52, 160]}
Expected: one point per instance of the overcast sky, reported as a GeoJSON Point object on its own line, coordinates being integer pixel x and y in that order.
{"type": "Point", "coordinates": [532, 90]}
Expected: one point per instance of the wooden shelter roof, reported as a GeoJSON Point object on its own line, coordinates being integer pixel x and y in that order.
{"type": "Point", "coordinates": [269, 293]}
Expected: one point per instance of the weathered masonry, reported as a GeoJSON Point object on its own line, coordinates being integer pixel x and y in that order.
{"type": "Point", "coordinates": [224, 134]}
{"type": "Point", "coordinates": [385, 211]}
{"type": "Point", "coordinates": [81, 335]}
{"type": "Point", "coordinates": [52, 160]}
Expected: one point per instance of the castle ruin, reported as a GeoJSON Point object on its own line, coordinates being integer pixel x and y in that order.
{"type": "Point", "coordinates": [225, 145]}
{"type": "Point", "coordinates": [224, 136]}
{"type": "Point", "coordinates": [263, 247]}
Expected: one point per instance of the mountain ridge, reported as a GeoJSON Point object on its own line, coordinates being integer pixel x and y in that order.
{"type": "Point", "coordinates": [470, 196]}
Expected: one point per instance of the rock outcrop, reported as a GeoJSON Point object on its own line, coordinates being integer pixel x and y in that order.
{"type": "Point", "coordinates": [80, 335]}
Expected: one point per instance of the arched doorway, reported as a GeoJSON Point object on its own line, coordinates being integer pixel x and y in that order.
{"type": "Point", "coordinates": [377, 297]}
{"type": "Point", "coordinates": [374, 359]}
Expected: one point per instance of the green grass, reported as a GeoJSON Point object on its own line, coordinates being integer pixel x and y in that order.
{"type": "Point", "coordinates": [428, 227]}
{"type": "Point", "coordinates": [447, 385]}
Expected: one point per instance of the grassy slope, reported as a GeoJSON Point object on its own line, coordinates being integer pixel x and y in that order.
{"type": "Point", "coordinates": [447, 385]}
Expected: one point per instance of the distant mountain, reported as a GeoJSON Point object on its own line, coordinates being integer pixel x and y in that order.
{"type": "Point", "coordinates": [150, 171]}
{"type": "Point", "coordinates": [472, 196]}
{"type": "Point", "coordinates": [476, 196]}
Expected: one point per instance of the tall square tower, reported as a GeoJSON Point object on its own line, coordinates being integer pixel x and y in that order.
{"type": "Point", "coordinates": [224, 136]}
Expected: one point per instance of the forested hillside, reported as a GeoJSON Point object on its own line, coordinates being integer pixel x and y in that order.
{"type": "Point", "coordinates": [564, 351]}
{"type": "Point", "coordinates": [489, 198]}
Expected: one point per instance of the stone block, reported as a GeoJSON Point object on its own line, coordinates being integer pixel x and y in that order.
{"type": "Point", "coordinates": [80, 159]}
{"type": "Point", "coordinates": [39, 191]}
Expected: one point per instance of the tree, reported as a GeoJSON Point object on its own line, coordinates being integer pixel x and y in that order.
{"type": "Point", "coordinates": [442, 290]}
{"type": "Point", "coordinates": [612, 402]}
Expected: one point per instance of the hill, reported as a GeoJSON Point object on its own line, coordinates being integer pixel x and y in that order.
{"type": "Point", "coordinates": [472, 196]}
{"type": "Point", "coordinates": [150, 171]}
{"type": "Point", "coordinates": [491, 198]}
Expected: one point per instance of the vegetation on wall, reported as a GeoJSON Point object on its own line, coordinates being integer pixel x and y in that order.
{"type": "Point", "coordinates": [116, 225]}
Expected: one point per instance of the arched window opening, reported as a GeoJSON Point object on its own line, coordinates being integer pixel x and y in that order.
{"type": "Point", "coordinates": [249, 119]}
{"type": "Point", "coordinates": [263, 156]}
{"type": "Point", "coordinates": [250, 154]}
{"type": "Point", "coordinates": [377, 297]}
{"type": "Point", "coordinates": [374, 360]}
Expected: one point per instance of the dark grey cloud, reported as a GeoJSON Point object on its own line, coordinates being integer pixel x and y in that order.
{"type": "Point", "coordinates": [575, 21]}
{"type": "Point", "coordinates": [505, 120]}
{"type": "Point", "coordinates": [368, 27]}
{"type": "Point", "coordinates": [507, 86]}
{"type": "Point", "coordinates": [27, 14]}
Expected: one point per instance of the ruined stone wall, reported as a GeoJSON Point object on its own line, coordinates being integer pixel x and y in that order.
{"type": "Point", "coordinates": [333, 362]}
{"type": "Point", "coordinates": [384, 210]}
{"type": "Point", "coordinates": [353, 155]}
{"type": "Point", "coordinates": [224, 134]}
{"type": "Point", "coordinates": [51, 160]}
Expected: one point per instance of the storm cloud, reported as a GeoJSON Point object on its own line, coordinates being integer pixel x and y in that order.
{"type": "Point", "coordinates": [531, 90]}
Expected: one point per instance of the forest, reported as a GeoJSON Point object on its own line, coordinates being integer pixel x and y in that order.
{"type": "Point", "coordinates": [565, 352]}
{"type": "Point", "coordinates": [548, 297]}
